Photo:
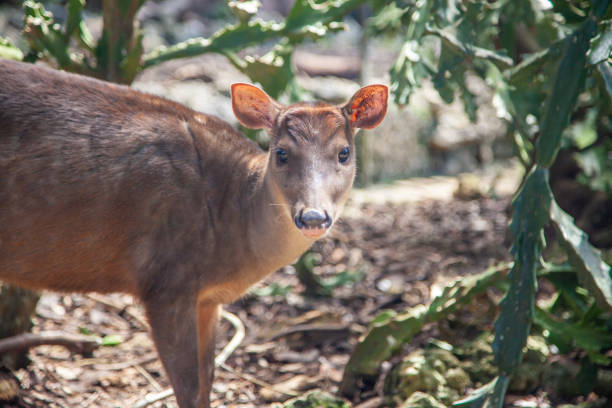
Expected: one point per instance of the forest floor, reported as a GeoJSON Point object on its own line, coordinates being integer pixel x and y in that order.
{"type": "Point", "coordinates": [395, 246]}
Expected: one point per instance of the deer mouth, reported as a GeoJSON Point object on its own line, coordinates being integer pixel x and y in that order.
{"type": "Point", "coordinates": [313, 232]}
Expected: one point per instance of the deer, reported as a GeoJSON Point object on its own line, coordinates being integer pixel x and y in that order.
{"type": "Point", "coordinates": [107, 189]}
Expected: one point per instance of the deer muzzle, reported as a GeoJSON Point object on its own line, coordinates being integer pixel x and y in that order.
{"type": "Point", "coordinates": [313, 222]}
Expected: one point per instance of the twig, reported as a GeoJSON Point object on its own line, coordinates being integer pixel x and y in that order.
{"type": "Point", "coordinates": [100, 364]}
{"type": "Point", "coordinates": [148, 377]}
{"type": "Point", "coordinates": [119, 308]}
{"type": "Point", "coordinates": [235, 341]}
{"type": "Point", "coordinates": [152, 398]}
{"type": "Point", "coordinates": [257, 381]}
{"type": "Point", "coordinates": [26, 341]}
{"type": "Point", "coordinates": [219, 360]}
{"type": "Point", "coordinates": [371, 403]}
{"type": "Point", "coordinates": [91, 399]}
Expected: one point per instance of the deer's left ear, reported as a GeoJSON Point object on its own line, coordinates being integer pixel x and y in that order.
{"type": "Point", "coordinates": [367, 107]}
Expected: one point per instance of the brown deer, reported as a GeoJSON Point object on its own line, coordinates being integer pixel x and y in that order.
{"type": "Point", "coordinates": [106, 189]}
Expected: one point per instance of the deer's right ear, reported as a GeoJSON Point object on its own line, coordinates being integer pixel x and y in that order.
{"type": "Point", "coordinates": [253, 107]}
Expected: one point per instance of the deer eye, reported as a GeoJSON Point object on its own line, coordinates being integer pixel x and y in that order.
{"type": "Point", "coordinates": [344, 154]}
{"type": "Point", "coordinates": [281, 156]}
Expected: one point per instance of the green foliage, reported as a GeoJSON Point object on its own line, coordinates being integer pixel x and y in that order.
{"type": "Point", "coordinates": [8, 50]}
{"type": "Point", "coordinates": [390, 330]}
{"type": "Point", "coordinates": [314, 399]}
{"type": "Point", "coordinates": [593, 273]}
{"type": "Point", "coordinates": [564, 77]}
{"type": "Point", "coordinates": [116, 55]}
{"type": "Point", "coordinates": [111, 340]}
{"type": "Point", "coordinates": [530, 215]}
{"type": "Point", "coordinates": [568, 83]}
{"type": "Point", "coordinates": [307, 19]}
{"type": "Point", "coordinates": [317, 287]}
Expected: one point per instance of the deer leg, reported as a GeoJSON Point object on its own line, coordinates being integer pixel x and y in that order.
{"type": "Point", "coordinates": [207, 324]}
{"type": "Point", "coordinates": [174, 327]}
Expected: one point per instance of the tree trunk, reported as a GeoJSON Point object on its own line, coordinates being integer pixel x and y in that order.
{"type": "Point", "coordinates": [17, 306]}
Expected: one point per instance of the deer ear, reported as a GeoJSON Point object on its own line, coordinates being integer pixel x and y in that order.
{"type": "Point", "coordinates": [367, 107]}
{"type": "Point", "coordinates": [253, 107]}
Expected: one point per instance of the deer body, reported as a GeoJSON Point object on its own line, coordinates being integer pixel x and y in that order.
{"type": "Point", "coordinates": [106, 189]}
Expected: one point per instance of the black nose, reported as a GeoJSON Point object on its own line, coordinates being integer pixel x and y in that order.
{"type": "Point", "coordinates": [312, 218]}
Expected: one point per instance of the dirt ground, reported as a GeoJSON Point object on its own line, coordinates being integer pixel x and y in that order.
{"type": "Point", "coordinates": [392, 252]}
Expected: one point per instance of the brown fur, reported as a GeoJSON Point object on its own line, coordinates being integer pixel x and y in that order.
{"type": "Point", "coordinates": [106, 189]}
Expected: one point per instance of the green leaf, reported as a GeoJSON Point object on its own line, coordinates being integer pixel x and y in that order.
{"type": "Point", "coordinates": [567, 285]}
{"type": "Point", "coordinates": [274, 289]}
{"type": "Point", "coordinates": [389, 18]}
{"type": "Point", "coordinates": [111, 340]}
{"type": "Point", "coordinates": [244, 10]}
{"type": "Point", "coordinates": [490, 395]}
{"type": "Point", "coordinates": [308, 12]}
{"type": "Point", "coordinates": [525, 72]}
{"type": "Point", "coordinates": [584, 133]}
{"type": "Point", "coordinates": [569, 81]}
{"type": "Point", "coordinates": [273, 70]}
{"type": "Point", "coordinates": [408, 72]}
{"type": "Point", "coordinates": [418, 19]}
{"type": "Point", "coordinates": [601, 45]}
{"type": "Point", "coordinates": [44, 35]}
{"type": "Point", "coordinates": [530, 215]}
{"type": "Point", "coordinates": [605, 71]}
{"type": "Point", "coordinates": [74, 8]}
{"type": "Point", "coordinates": [314, 399]}
{"type": "Point", "coordinates": [471, 50]}
{"type": "Point", "coordinates": [593, 273]}
{"type": "Point", "coordinates": [306, 19]}
{"type": "Point", "coordinates": [8, 50]}
{"type": "Point", "coordinates": [586, 337]}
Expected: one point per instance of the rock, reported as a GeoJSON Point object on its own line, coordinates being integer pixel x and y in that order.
{"type": "Point", "coordinates": [198, 95]}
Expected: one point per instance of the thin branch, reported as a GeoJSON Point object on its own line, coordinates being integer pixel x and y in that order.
{"type": "Point", "coordinates": [235, 341]}
{"type": "Point", "coordinates": [26, 341]}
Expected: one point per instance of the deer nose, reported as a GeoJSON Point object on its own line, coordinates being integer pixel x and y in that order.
{"type": "Point", "coordinates": [312, 218]}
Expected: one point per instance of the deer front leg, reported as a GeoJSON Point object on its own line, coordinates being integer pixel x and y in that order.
{"type": "Point", "coordinates": [174, 329]}
{"type": "Point", "coordinates": [207, 324]}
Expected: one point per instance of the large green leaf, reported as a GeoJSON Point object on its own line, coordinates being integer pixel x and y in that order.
{"type": "Point", "coordinates": [471, 50]}
{"type": "Point", "coordinates": [523, 74]}
{"type": "Point", "coordinates": [273, 70]}
{"type": "Point", "coordinates": [74, 8]}
{"type": "Point", "coordinates": [409, 71]}
{"type": "Point", "coordinates": [593, 273]}
{"type": "Point", "coordinates": [569, 81]}
{"type": "Point", "coordinates": [586, 337]}
{"type": "Point", "coordinates": [530, 215]}
{"type": "Point", "coordinates": [490, 395]}
{"type": "Point", "coordinates": [308, 12]}
{"type": "Point", "coordinates": [605, 71]}
{"type": "Point", "coordinates": [601, 46]}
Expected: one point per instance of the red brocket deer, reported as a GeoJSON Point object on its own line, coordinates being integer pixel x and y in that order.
{"type": "Point", "coordinates": [106, 189]}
